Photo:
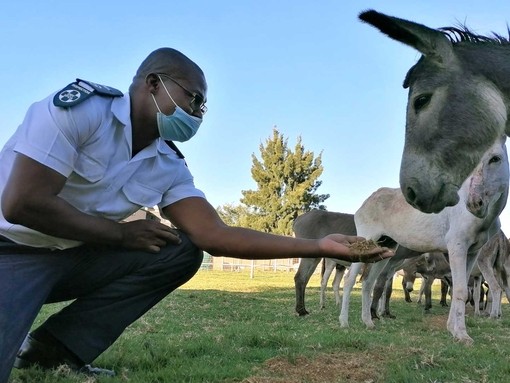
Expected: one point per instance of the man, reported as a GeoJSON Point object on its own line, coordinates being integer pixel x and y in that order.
{"type": "Point", "coordinates": [84, 159]}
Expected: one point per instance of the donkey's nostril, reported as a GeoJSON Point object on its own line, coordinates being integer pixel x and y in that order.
{"type": "Point", "coordinates": [410, 194]}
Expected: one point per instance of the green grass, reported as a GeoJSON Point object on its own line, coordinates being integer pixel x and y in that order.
{"type": "Point", "coordinates": [226, 327]}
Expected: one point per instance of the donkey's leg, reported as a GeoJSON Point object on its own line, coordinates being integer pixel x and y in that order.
{"type": "Point", "coordinates": [477, 286]}
{"type": "Point", "coordinates": [408, 284]}
{"type": "Point", "coordinates": [421, 293]}
{"type": "Point", "coordinates": [377, 293]}
{"type": "Point", "coordinates": [427, 291]}
{"type": "Point", "coordinates": [456, 323]}
{"type": "Point", "coordinates": [495, 303]}
{"type": "Point", "coordinates": [383, 289]}
{"type": "Point", "coordinates": [366, 291]}
{"type": "Point", "coordinates": [339, 274]}
{"type": "Point", "coordinates": [306, 268]}
{"type": "Point", "coordinates": [349, 282]}
{"type": "Point", "coordinates": [445, 286]}
{"type": "Point", "coordinates": [329, 267]}
{"type": "Point", "coordinates": [487, 269]}
{"type": "Point", "coordinates": [384, 309]}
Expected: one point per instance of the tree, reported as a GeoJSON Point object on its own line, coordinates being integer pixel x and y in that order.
{"type": "Point", "coordinates": [233, 215]}
{"type": "Point", "coordinates": [287, 182]}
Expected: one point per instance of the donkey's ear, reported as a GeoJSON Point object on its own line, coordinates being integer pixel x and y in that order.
{"type": "Point", "coordinates": [430, 42]}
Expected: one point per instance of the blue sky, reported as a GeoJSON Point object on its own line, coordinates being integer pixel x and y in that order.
{"type": "Point", "coordinates": [310, 68]}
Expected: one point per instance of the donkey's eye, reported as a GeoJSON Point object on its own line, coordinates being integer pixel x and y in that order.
{"type": "Point", "coordinates": [421, 101]}
{"type": "Point", "coordinates": [495, 159]}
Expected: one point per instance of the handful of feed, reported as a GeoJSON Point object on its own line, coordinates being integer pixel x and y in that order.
{"type": "Point", "coordinates": [362, 247]}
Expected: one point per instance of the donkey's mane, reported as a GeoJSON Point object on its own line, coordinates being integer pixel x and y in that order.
{"type": "Point", "coordinates": [464, 34]}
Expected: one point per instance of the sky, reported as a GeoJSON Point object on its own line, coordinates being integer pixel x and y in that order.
{"type": "Point", "coordinates": [309, 68]}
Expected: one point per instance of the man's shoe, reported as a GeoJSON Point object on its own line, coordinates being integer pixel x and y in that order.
{"type": "Point", "coordinates": [94, 371]}
{"type": "Point", "coordinates": [36, 353]}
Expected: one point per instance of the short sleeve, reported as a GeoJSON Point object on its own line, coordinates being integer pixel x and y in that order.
{"type": "Point", "coordinates": [182, 187]}
{"type": "Point", "coordinates": [52, 135]}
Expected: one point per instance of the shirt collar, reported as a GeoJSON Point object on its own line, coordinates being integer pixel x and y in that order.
{"type": "Point", "coordinates": [121, 109]}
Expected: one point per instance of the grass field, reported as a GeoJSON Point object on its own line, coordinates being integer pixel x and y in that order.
{"type": "Point", "coordinates": [226, 327]}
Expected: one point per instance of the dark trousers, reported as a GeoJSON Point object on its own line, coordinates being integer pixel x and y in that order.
{"type": "Point", "coordinates": [111, 288]}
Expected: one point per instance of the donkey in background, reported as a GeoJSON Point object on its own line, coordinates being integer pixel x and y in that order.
{"type": "Point", "coordinates": [493, 264]}
{"type": "Point", "coordinates": [317, 224]}
{"type": "Point", "coordinates": [430, 266]}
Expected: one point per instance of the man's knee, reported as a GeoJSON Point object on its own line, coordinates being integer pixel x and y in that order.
{"type": "Point", "coordinates": [185, 257]}
{"type": "Point", "coordinates": [192, 253]}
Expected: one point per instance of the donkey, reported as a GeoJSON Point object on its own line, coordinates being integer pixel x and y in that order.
{"type": "Point", "coordinates": [457, 106]}
{"type": "Point", "coordinates": [459, 230]}
{"type": "Point", "coordinates": [385, 286]}
{"type": "Point", "coordinates": [493, 264]}
{"type": "Point", "coordinates": [317, 224]}
{"type": "Point", "coordinates": [477, 295]}
{"type": "Point", "coordinates": [430, 266]}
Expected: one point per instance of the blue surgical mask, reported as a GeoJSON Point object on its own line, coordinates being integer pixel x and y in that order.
{"type": "Point", "coordinates": [179, 126]}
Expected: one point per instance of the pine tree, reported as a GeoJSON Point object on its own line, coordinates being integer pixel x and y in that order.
{"type": "Point", "coordinates": [233, 215]}
{"type": "Point", "coordinates": [287, 182]}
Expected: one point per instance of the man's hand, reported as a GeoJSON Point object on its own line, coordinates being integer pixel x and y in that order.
{"type": "Point", "coordinates": [147, 235]}
{"type": "Point", "coordinates": [339, 246]}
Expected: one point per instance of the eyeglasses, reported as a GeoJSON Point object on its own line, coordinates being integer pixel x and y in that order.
{"type": "Point", "coordinates": [197, 102]}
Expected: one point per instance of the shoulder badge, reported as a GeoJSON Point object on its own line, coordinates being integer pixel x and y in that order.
{"type": "Point", "coordinates": [80, 90]}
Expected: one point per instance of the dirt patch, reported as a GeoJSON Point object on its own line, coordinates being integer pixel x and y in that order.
{"type": "Point", "coordinates": [326, 368]}
{"type": "Point", "coordinates": [437, 322]}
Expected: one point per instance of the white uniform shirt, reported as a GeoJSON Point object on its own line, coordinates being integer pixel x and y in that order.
{"type": "Point", "coordinates": [90, 144]}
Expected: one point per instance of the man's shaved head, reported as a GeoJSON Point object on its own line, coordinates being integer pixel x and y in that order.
{"type": "Point", "coordinates": [169, 61]}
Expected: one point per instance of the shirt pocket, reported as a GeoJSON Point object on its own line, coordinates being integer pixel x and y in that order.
{"type": "Point", "coordinates": [89, 168]}
{"type": "Point", "coordinates": [142, 195]}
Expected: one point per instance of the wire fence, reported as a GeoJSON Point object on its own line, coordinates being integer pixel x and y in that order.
{"type": "Point", "coordinates": [238, 265]}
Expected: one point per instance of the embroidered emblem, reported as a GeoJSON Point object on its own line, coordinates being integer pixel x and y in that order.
{"type": "Point", "coordinates": [81, 90]}
{"type": "Point", "coordinates": [69, 95]}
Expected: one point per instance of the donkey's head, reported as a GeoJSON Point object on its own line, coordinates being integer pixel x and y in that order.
{"type": "Point", "coordinates": [454, 115]}
{"type": "Point", "coordinates": [487, 187]}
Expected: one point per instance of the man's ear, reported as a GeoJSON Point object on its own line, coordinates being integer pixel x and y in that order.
{"type": "Point", "coordinates": [152, 82]}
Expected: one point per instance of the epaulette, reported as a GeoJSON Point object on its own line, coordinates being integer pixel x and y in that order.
{"type": "Point", "coordinates": [80, 90]}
